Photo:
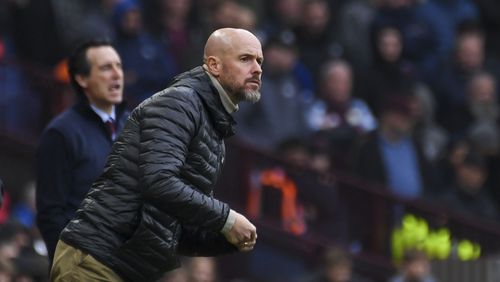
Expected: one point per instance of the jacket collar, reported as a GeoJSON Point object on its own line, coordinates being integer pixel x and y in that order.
{"type": "Point", "coordinates": [198, 80]}
{"type": "Point", "coordinates": [224, 97]}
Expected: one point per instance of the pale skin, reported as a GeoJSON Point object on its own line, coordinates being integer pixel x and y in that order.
{"type": "Point", "coordinates": [234, 57]}
{"type": "Point", "coordinates": [103, 86]}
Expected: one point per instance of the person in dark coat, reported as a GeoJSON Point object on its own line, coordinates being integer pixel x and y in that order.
{"type": "Point", "coordinates": [73, 148]}
{"type": "Point", "coordinates": [469, 194]}
{"type": "Point", "coordinates": [155, 198]}
{"type": "Point", "coordinates": [148, 68]}
{"type": "Point", "coordinates": [392, 158]}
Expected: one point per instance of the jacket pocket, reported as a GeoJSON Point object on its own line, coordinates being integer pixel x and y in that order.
{"type": "Point", "coordinates": [152, 248]}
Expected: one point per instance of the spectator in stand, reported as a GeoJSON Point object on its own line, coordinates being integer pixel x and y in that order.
{"type": "Point", "coordinates": [247, 18]}
{"type": "Point", "coordinates": [456, 150]}
{"type": "Point", "coordinates": [317, 199]}
{"type": "Point", "coordinates": [339, 115]}
{"type": "Point", "coordinates": [7, 270]}
{"type": "Point", "coordinates": [230, 13]}
{"type": "Point", "coordinates": [478, 117]}
{"type": "Point", "coordinates": [390, 73]}
{"type": "Point", "coordinates": [432, 137]}
{"type": "Point", "coordinates": [484, 130]}
{"type": "Point", "coordinates": [490, 20]}
{"type": "Point", "coordinates": [468, 193]}
{"type": "Point", "coordinates": [422, 31]}
{"type": "Point", "coordinates": [315, 38]}
{"type": "Point", "coordinates": [74, 146]}
{"type": "Point", "coordinates": [80, 20]}
{"type": "Point", "coordinates": [15, 246]}
{"type": "Point", "coordinates": [36, 23]}
{"type": "Point", "coordinates": [171, 22]}
{"type": "Point", "coordinates": [469, 58]}
{"type": "Point", "coordinates": [354, 23]}
{"type": "Point", "coordinates": [224, 13]}
{"type": "Point", "coordinates": [392, 157]}
{"type": "Point", "coordinates": [12, 240]}
{"type": "Point", "coordinates": [337, 107]}
{"type": "Point", "coordinates": [281, 112]}
{"type": "Point", "coordinates": [194, 269]}
{"type": "Point", "coordinates": [9, 251]}
{"type": "Point", "coordinates": [284, 15]}
{"type": "Point", "coordinates": [415, 267]}
{"type": "Point", "coordinates": [147, 66]}
{"type": "Point", "coordinates": [24, 211]}
{"type": "Point", "coordinates": [202, 269]}
{"type": "Point", "coordinates": [16, 91]}
{"type": "Point", "coordinates": [295, 152]}
{"type": "Point", "coordinates": [336, 266]}
{"type": "Point", "coordinates": [454, 13]}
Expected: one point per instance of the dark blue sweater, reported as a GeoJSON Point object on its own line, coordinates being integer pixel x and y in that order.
{"type": "Point", "coordinates": [71, 155]}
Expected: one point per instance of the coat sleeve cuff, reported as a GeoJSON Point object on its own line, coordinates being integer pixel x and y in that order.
{"type": "Point", "coordinates": [231, 218]}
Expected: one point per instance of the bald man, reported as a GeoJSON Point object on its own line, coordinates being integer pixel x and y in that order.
{"type": "Point", "coordinates": [154, 200]}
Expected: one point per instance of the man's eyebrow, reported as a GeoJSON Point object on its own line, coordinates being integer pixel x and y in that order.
{"type": "Point", "coordinates": [249, 55]}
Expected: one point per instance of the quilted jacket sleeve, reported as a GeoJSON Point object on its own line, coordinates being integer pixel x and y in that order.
{"type": "Point", "coordinates": [168, 124]}
{"type": "Point", "coordinates": [201, 242]}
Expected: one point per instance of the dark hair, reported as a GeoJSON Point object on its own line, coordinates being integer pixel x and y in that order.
{"type": "Point", "coordinates": [78, 63]}
{"type": "Point", "coordinates": [284, 39]}
{"type": "Point", "coordinates": [398, 102]}
{"type": "Point", "coordinates": [467, 27]}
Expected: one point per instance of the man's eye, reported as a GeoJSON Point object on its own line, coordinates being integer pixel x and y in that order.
{"type": "Point", "coordinates": [244, 59]}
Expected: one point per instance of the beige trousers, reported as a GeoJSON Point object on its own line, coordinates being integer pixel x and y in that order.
{"type": "Point", "coordinates": [72, 265]}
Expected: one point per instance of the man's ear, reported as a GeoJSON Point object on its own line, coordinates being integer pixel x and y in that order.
{"type": "Point", "coordinates": [82, 80]}
{"type": "Point", "coordinates": [213, 65]}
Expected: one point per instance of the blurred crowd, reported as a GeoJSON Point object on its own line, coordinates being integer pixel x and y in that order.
{"type": "Point", "coordinates": [402, 93]}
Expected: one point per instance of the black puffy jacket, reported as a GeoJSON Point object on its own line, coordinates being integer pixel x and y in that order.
{"type": "Point", "coordinates": [154, 199]}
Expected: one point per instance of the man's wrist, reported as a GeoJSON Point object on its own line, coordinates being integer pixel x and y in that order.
{"type": "Point", "coordinates": [231, 218]}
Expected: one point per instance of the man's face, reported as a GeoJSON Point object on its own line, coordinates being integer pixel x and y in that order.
{"type": "Point", "coordinates": [482, 90]}
{"type": "Point", "coordinates": [241, 70]}
{"type": "Point", "coordinates": [390, 44]}
{"type": "Point", "coordinates": [471, 178]}
{"type": "Point", "coordinates": [338, 84]}
{"type": "Point", "coordinates": [339, 273]}
{"type": "Point", "coordinates": [470, 52]}
{"type": "Point", "coordinates": [279, 59]}
{"type": "Point", "coordinates": [104, 84]}
{"type": "Point", "coordinates": [399, 123]}
{"type": "Point", "coordinates": [417, 270]}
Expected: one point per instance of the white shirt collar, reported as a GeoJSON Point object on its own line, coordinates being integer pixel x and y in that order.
{"type": "Point", "coordinates": [103, 115]}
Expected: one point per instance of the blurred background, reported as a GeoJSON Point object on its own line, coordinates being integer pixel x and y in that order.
{"type": "Point", "coordinates": [373, 154]}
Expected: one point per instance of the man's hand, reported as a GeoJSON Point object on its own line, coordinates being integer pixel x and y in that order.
{"type": "Point", "coordinates": [243, 234]}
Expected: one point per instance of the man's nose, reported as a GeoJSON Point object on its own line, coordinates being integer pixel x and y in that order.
{"type": "Point", "coordinates": [257, 68]}
{"type": "Point", "coordinates": [117, 72]}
